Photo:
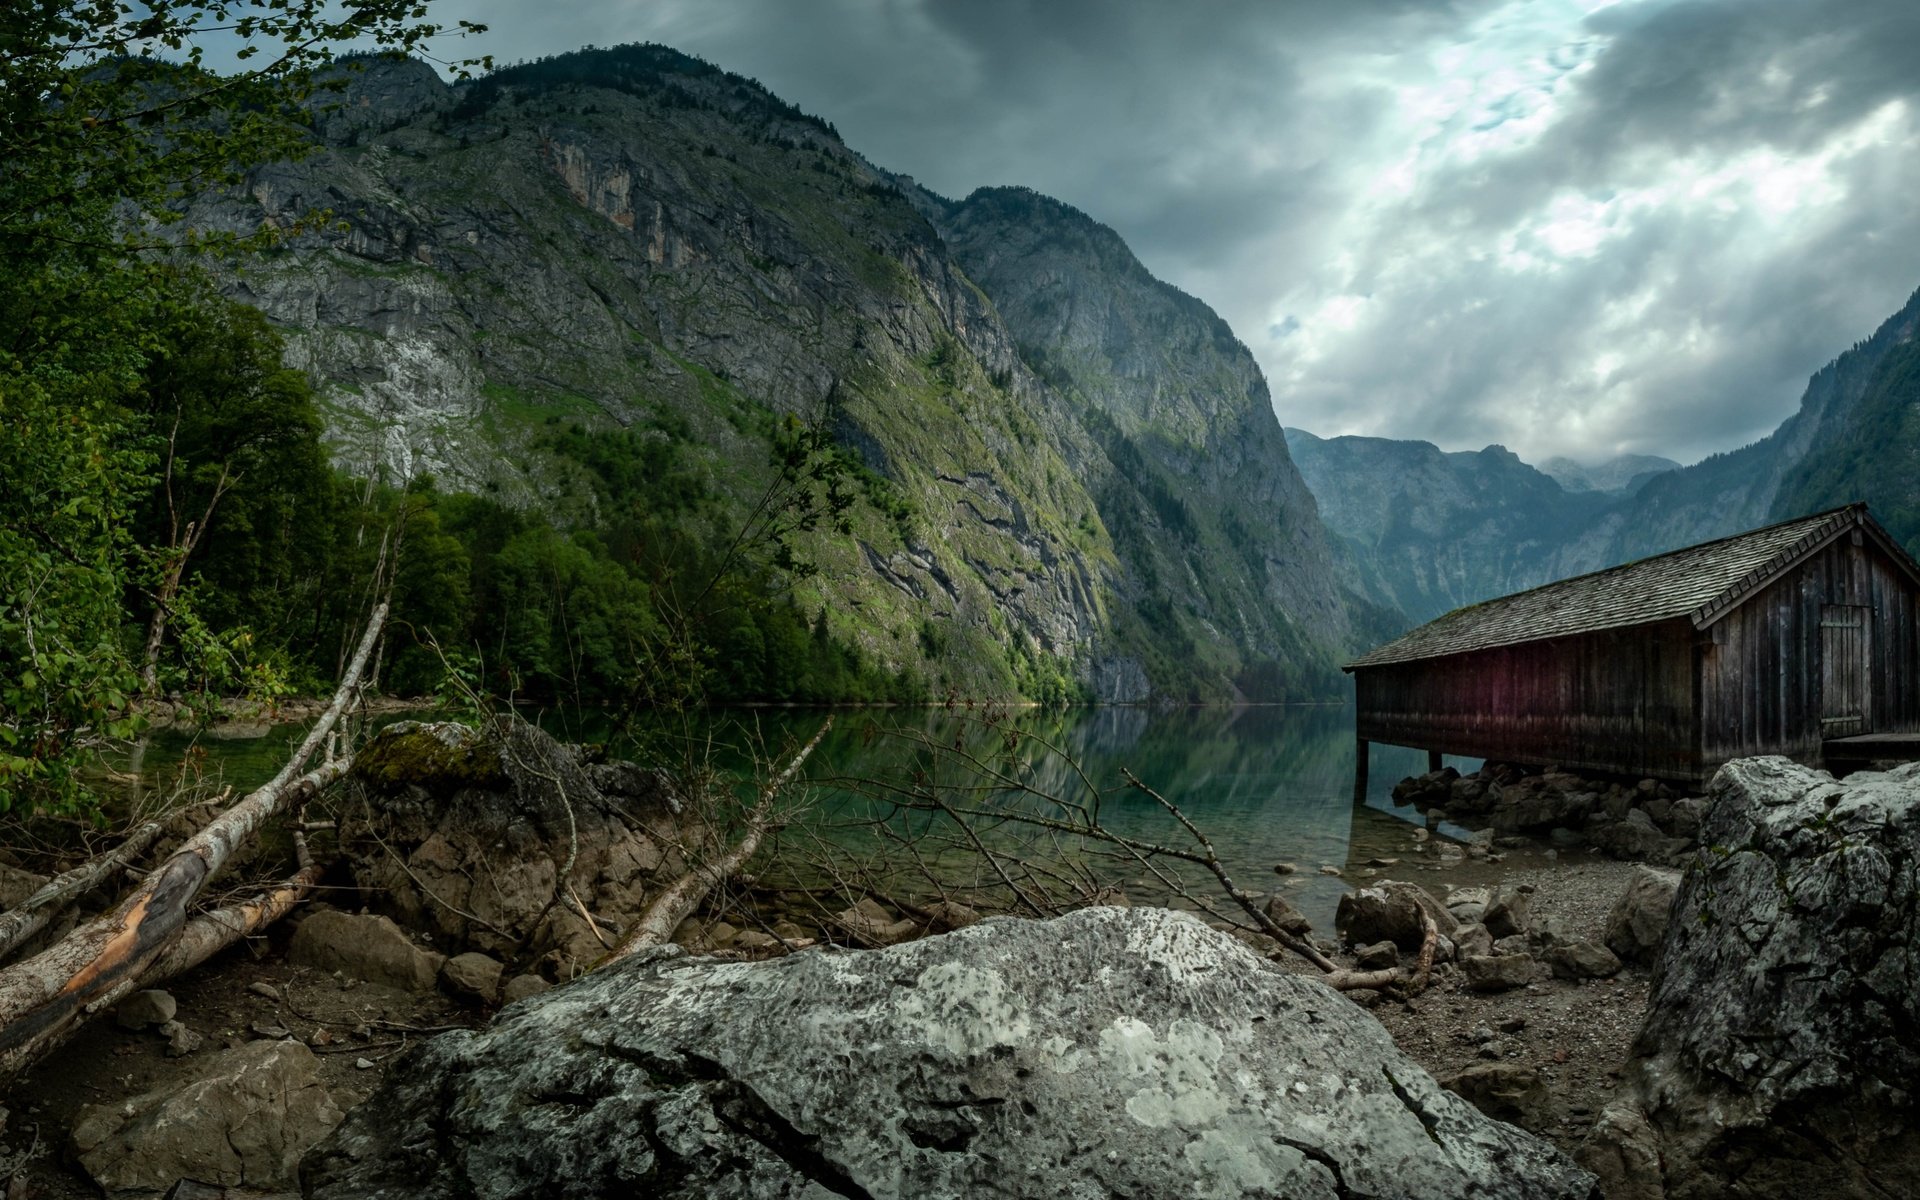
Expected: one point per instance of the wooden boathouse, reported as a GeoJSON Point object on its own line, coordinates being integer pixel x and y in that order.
{"type": "Point", "coordinates": [1796, 639]}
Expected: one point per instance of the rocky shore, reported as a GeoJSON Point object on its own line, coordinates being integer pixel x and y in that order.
{"type": "Point", "coordinates": [1739, 1026]}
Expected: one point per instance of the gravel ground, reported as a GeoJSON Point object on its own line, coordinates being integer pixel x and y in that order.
{"type": "Point", "coordinates": [1576, 1034]}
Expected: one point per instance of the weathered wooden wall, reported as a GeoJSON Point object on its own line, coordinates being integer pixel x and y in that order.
{"type": "Point", "coordinates": [1620, 700]}
{"type": "Point", "coordinates": [1762, 669]}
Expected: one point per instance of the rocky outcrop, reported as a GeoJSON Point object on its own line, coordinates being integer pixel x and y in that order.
{"type": "Point", "coordinates": [1112, 1052]}
{"type": "Point", "coordinates": [466, 834]}
{"type": "Point", "coordinates": [1780, 1055]}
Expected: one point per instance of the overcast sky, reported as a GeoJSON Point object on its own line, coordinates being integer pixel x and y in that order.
{"type": "Point", "coordinates": [1569, 226]}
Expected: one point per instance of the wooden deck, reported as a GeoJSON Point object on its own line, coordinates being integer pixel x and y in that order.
{"type": "Point", "coordinates": [1868, 751]}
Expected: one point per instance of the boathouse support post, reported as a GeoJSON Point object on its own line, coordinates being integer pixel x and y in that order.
{"type": "Point", "coordinates": [1359, 770]}
{"type": "Point", "coordinates": [1433, 761]}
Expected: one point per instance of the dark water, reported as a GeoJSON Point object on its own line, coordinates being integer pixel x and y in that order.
{"type": "Point", "coordinates": [1265, 785]}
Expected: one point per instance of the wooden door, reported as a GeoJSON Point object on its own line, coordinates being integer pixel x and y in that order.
{"type": "Point", "coordinates": [1846, 636]}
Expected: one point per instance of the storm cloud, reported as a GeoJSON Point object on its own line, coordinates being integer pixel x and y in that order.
{"type": "Point", "coordinates": [1568, 226]}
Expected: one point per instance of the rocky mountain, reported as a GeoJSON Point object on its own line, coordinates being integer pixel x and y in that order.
{"type": "Point", "coordinates": [633, 238]}
{"type": "Point", "coordinates": [1427, 531]}
{"type": "Point", "coordinates": [1622, 474]}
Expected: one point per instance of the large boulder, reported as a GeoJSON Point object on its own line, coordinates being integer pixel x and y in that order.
{"type": "Point", "coordinates": [244, 1119]}
{"type": "Point", "coordinates": [364, 946]}
{"type": "Point", "coordinates": [465, 833]}
{"type": "Point", "coordinates": [1780, 1055]}
{"type": "Point", "coordinates": [1110, 1052]}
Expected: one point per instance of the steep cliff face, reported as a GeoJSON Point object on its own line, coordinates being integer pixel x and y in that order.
{"type": "Point", "coordinates": [634, 238]}
{"type": "Point", "coordinates": [1427, 531]}
{"type": "Point", "coordinates": [1219, 533]}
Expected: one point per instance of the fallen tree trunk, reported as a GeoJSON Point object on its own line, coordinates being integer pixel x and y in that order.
{"type": "Point", "coordinates": [45, 997]}
{"type": "Point", "coordinates": [674, 905]}
{"type": "Point", "coordinates": [33, 913]}
{"type": "Point", "coordinates": [211, 932]}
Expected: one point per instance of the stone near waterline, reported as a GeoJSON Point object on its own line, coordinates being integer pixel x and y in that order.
{"type": "Point", "coordinates": [1288, 918]}
{"type": "Point", "coordinates": [243, 1119]}
{"type": "Point", "coordinates": [1390, 911]}
{"type": "Point", "coordinates": [473, 977]}
{"type": "Point", "coordinates": [1472, 939]}
{"type": "Point", "coordinates": [1106, 1053]}
{"type": "Point", "coordinates": [869, 924]}
{"type": "Point", "coordinates": [1508, 911]}
{"type": "Point", "coordinates": [1637, 924]}
{"type": "Point", "coordinates": [144, 1010]}
{"type": "Point", "coordinates": [363, 946]}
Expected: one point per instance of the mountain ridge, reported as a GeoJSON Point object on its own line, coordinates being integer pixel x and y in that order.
{"type": "Point", "coordinates": [634, 238]}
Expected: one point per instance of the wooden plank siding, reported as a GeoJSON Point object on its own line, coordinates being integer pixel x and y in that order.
{"type": "Point", "coordinates": [1765, 670]}
{"type": "Point", "coordinates": [1621, 700]}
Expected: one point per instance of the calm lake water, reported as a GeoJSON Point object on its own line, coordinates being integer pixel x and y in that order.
{"type": "Point", "coordinates": [1266, 784]}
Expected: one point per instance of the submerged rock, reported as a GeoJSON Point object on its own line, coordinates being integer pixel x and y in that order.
{"type": "Point", "coordinates": [1110, 1052]}
{"type": "Point", "coordinates": [1780, 1055]}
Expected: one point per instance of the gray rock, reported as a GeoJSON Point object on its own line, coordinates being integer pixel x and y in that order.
{"type": "Point", "coordinates": [473, 976]}
{"type": "Point", "coordinates": [1390, 911]}
{"type": "Point", "coordinates": [1472, 940]}
{"type": "Point", "coordinates": [1638, 922]}
{"type": "Point", "coordinates": [869, 924]}
{"type": "Point", "coordinates": [521, 986]}
{"type": "Point", "coordinates": [144, 1010]}
{"type": "Point", "coordinates": [1283, 914]}
{"type": "Point", "coordinates": [1582, 960]}
{"type": "Point", "coordinates": [1635, 836]}
{"type": "Point", "coordinates": [1781, 1047]}
{"type": "Point", "coordinates": [181, 1041]}
{"type": "Point", "coordinates": [1110, 1052]}
{"type": "Point", "coordinates": [365, 947]}
{"type": "Point", "coordinates": [1508, 910]}
{"type": "Point", "coordinates": [1687, 816]}
{"type": "Point", "coordinates": [1376, 956]}
{"type": "Point", "coordinates": [1500, 972]}
{"type": "Point", "coordinates": [1507, 1092]}
{"type": "Point", "coordinates": [244, 1119]}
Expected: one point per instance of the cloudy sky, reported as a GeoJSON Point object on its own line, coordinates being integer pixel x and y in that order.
{"type": "Point", "coordinates": [1570, 226]}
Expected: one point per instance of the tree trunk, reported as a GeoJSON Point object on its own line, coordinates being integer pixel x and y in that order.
{"type": "Point", "coordinates": [45, 997]}
{"type": "Point", "coordinates": [33, 913]}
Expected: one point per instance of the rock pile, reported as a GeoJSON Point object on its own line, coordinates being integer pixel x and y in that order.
{"type": "Point", "coordinates": [1780, 1055]}
{"type": "Point", "coordinates": [1111, 1052]}
{"type": "Point", "coordinates": [1490, 932]}
{"type": "Point", "coordinates": [1648, 820]}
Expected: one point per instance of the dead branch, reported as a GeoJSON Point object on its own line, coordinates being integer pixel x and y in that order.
{"type": "Point", "coordinates": [677, 902]}
{"type": "Point", "coordinates": [43, 998]}
{"type": "Point", "coordinates": [33, 913]}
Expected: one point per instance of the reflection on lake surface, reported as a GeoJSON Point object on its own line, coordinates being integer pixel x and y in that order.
{"type": "Point", "coordinates": [1267, 784]}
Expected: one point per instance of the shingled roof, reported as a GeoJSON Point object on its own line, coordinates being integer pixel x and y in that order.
{"type": "Point", "coordinates": [1702, 582]}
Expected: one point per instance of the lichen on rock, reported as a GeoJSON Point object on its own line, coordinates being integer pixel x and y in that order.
{"type": "Point", "coordinates": [1110, 1052]}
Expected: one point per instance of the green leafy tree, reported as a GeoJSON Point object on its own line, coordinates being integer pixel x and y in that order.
{"type": "Point", "coordinates": [109, 119]}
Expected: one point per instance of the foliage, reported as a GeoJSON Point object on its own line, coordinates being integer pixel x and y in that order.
{"type": "Point", "coordinates": [1872, 457]}
{"type": "Point", "coordinates": [101, 138]}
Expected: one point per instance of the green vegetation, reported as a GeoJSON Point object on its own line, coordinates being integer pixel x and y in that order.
{"type": "Point", "coordinates": [1872, 457]}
